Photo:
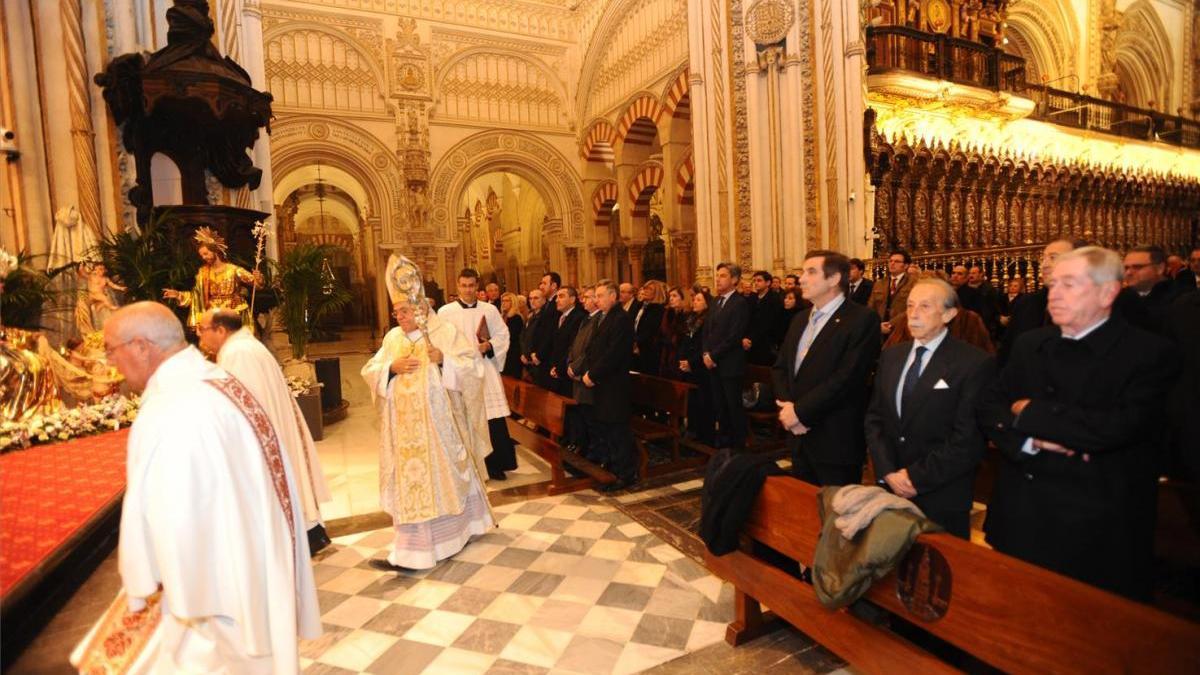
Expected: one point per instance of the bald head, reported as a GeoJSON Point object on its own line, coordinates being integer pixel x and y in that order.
{"type": "Point", "coordinates": [139, 337]}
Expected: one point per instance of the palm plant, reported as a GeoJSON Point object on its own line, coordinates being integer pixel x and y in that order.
{"type": "Point", "coordinates": [161, 257]}
{"type": "Point", "coordinates": [26, 293]}
{"type": "Point", "coordinates": [306, 295]}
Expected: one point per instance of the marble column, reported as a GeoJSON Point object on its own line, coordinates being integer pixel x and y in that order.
{"type": "Point", "coordinates": [635, 263]}
{"type": "Point", "coordinates": [685, 269]}
{"type": "Point", "coordinates": [250, 46]}
{"type": "Point", "coordinates": [80, 106]}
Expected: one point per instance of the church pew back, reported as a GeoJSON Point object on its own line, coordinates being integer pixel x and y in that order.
{"type": "Point", "coordinates": [1010, 614]}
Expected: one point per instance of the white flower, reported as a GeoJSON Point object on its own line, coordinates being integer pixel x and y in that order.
{"type": "Point", "coordinates": [8, 264]}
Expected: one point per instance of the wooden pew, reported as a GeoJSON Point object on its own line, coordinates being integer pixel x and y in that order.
{"type": "Point", "coordinates": [540, 428]}
{"type": "Point", "coordinates": [1005, 612]}
{"type": "Point", "coordinates": [669, 397]}
{"type": "Point", "coordinates": [762, 419]}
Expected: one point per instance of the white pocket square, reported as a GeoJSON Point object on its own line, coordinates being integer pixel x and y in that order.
{"type": "Point", "coordinates": [941, 384]}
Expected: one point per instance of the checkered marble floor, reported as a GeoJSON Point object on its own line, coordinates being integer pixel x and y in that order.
{"type": "Point", "coordinates": [566, 584]}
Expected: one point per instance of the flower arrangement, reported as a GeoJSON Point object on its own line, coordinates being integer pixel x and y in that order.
{"type": "Point", "coordinates": [300, 385]}
{"type": "Point", "coordinates": [108, 414]}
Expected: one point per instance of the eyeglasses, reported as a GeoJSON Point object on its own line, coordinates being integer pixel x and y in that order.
{"type": "Point", "coordinates": [109, 351]}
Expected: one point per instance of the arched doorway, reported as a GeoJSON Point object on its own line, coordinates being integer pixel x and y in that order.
{"type": "Point", "coordinates": [506, 215]}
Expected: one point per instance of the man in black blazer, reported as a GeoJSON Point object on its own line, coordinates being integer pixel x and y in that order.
{"type": "Point", "coordinates": [760, 342]}
{"type": "Point", "coordinates": [570, 317]}
{"type": "Point", "coordinates": [543, 332]}
{"type": "Point", "coordinates": [860, 288]}
{"type": "Point", "coordinates": [820, 377]}
{"type": "Point", "coordinates": [1029, 310]}
{"type": "Point", "coordinates": [1078, 414]}
{"type": "Point", "coordinates": [921, 432]}
{"type": "Point", "coordinates": [723, 356]}
{"type": "Point", "coordinates": [608, 355]}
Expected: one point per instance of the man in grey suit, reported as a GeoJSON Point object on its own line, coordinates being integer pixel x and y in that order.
{"type": "Point", "coordinates": [578, 415]}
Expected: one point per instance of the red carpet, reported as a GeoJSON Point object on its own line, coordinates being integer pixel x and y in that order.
{"type": "Point", "coordinates": [49, 493]}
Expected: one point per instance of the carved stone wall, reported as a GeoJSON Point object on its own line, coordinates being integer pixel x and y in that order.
{"type": "Point", "coordinates": [501, 88]}
{"type": "Point", "coordinates": [322, 69]}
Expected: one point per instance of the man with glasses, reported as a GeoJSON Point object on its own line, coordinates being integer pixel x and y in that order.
{"type": "Point", "coordinates": [212, 543]}
{"type": "Point", "coordinates": [1029, 310]}
{"type": "Point", "coordinates": [889, 297]}
{"type": "Point", "coordinates": [1154, 292]}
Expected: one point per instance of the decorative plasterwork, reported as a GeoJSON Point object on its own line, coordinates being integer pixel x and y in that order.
{"type": "Point", "coordinates": [508, 88]}
{"type": "Point", "coordinates": [768, 21]}
{"type": "Point", "coordinates": [931, 94]}
{"type": "Point", "coordinates": [464, 38]}
{"type": "Point", "coordinates": [1048, 27]}
{"type": "Point", "coordinates": [635, 44]}
{"type": "Point", "coordinates": [806, 54]}
{"type": "Point", "coordinates": [409, 67]}
{"type": "Point", "coordinates": [741, 138]}
{"type": "Point", "coordinates": [516, 16]}
{"type": "Point", "coordinates": [517, 152]}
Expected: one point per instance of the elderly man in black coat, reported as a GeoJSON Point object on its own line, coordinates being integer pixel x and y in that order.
{"type": "Point", "coordinates": [1078, 413]}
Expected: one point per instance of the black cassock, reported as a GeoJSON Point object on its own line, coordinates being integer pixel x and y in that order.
{"type": "Point", "coordinates": [1104, 396]}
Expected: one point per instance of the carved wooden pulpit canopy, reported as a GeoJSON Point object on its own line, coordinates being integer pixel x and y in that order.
{"type": "Point", "coordinates": [189, 103]}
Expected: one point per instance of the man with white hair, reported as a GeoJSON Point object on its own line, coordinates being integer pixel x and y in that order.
{"type": "Point", "coordinates": [240, 354]}
{"type": "Point", "coordinates": [214, 563]}
{"type": "Point", "coordinates": [1077, 413]}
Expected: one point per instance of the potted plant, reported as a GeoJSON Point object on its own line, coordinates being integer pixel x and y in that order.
{"type": "Point", "coordinates": [306, 295]}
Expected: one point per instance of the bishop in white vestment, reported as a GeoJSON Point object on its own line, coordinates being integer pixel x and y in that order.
{"type": "Point", "coordinates": [430, 461]}
{"type": "Point", "coordinates": [213, 557]}
{"type": "Point", "coordinates": [482, 324]}
{"type": "Point", "coordinates": [240, 354]}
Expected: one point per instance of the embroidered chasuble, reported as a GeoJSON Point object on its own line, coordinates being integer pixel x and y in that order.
{"type": "Point", "coordinates": [426, 479]}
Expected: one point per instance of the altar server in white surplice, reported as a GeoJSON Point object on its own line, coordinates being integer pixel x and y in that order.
{"type": "Point", "coordinates": [481, 323]}
{"type": "Point", "coordinates": [429, 470]}
{"type": "Point", "coordinates": [243, 356]}
{"type": "Point", "coordinates": [210, 518]}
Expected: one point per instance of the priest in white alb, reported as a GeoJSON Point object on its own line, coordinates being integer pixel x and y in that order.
{"type": "Point", "coordinates": [242, 355]}
{"type": "Point", "coordinates": [214, 562]}
{"type": "Point", "coordinates": [482, 324]}
{"type": "Point", "coordinates": [431, 457]}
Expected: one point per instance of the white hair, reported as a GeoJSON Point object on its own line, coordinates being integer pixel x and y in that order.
{"type": "Point", "coordinates": [151, 321]}
{"type": "Point", "coordinates": [1104, 266]}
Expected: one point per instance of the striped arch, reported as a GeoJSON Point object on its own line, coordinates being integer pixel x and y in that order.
{"type": "Point", "coordinates": [685, 181]}
{"type": "Point", "coordinates": [639, 124]}
{"type": "Point", "coordinates": [643, 186]}
{"type": "Point", "coordinates": [598, 142]}
{"type": "Point", "coordinates": [677, 101]}
{"type": "Point", "coordinates": [602, 201]}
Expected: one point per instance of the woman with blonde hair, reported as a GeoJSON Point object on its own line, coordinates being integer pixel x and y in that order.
{"type": "Point", "coordinates": [516, 314]}
{"type": "Point", "coordinates": [647, 328]}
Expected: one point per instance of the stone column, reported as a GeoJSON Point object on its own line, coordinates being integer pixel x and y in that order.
{"type": "Point", "coordinates": [79, 102]}
{"type": "Point", "coordinates": [635, 263]}
{"type": "Point", "coordinates": [250, 46]}
{"type": "Point", "coordinates": [712, 133]}
{"type": "Point", "coordinates": [685, 268]}
{"type": "Point", "coordinates": [600, 254]}
{"type": "Point", "coordinates": [572, 272]}
{"type": "Point", "coordinates": [770, 62]}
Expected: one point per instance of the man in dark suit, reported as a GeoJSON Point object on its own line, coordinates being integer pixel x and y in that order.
{"type": "Point", "coordinates": [629, 301]}
{"type": "Point", "coordinates": [724, 357]}
{"type": "Point", "coordinates": [570, 317]}
{"type": "Point", "coordinates": [1146, 274]}
{"type": "Point", "coordinates": [543, 332]}
{"type": "Point", "coordinates": [1078, 414]}
{"type": "Point", "coordinates": [1189, 276]}
{"type": "Point", "coordinates": [537, 303]}
{"type": "Point", "coordinates": [820, 377]}
{"type": "Point", "coordinates": [580, 416]}
{"type": "Point", "coordinates": [921, 432]}
{"type": "Point", "coordinates": [608, 355]}
{"type": "Point", "coordinates": [1183, 328]}
{"type": "Point", "coordinates": [1029, 311]}
{"type": "Point", "coordinates": [889, 296]}
{"type": "Point", "coordinates": [860, 288]}
{"type": "Point", "coordinates": [760, 343]}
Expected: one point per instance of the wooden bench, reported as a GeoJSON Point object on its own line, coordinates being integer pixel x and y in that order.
{"type": "Point", "coordinates": [1005, 612]}
{"type": "Point", "coordinates": [540, 428]}
{"type": "Point", "coordinates": [767, 420]}
{"type": "Point", "coordinates": [669, 397]}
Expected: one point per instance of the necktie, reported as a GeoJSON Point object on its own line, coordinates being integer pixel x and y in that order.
{"type": "Point", "coordinates": [721, 302]}
{"type": "Point", "coordinates": [810, 334]}
{"type": "Point", "coordinates": [895, 283]}
{"type": "Point", "coordinates": [911, 377]}
{"type": "Point", "coordinates": [562, 318]}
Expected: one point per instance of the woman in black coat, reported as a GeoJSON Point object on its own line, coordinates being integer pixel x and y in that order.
{"type": "Point", "coordinates": [674, 327]}
{"type": "Point", "coordinates": [647, 337]}
{"type": "Point", "coordinates": [701, 419]}
{"type": "Point", "coordinates": [514, 311]}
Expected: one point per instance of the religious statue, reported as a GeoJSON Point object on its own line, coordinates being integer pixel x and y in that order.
{"type": "Point", "coordinates": [420, 206]}
{"type": "Point", "coordinates": [98, 301]}
{"type": "Point", "coordinates": [219, 284]}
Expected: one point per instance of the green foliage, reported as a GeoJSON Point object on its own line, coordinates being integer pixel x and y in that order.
{"type": "Point", "coordinates": [305, 296]}
{"type": "Point", "coordinates": [27, 291]}
{"type": "Point", "coordinates": [161, 257]}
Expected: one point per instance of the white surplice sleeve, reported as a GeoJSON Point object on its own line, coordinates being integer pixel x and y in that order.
{"type": "Point", "coordinates": [499, 334]}
{"type": "Point", "coordinates": [378, 370]}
